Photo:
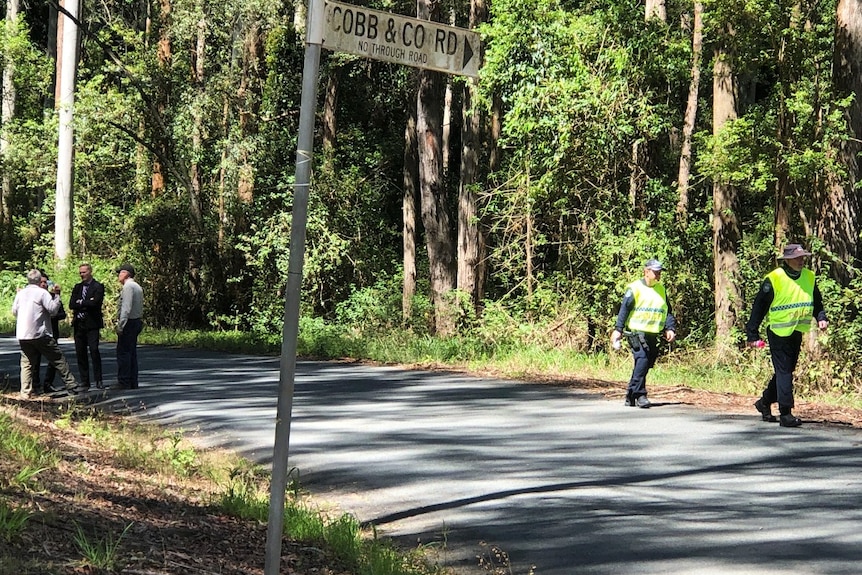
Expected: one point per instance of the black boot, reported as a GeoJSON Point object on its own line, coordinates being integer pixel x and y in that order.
{"type": "Point", "coordinates": [765, 410]}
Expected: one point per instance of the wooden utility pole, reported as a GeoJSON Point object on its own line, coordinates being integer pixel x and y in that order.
{"type": "Point", "coordinates": [67, 65]}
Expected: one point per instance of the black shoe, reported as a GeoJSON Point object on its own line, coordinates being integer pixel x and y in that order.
{"type": "Point", "coordinates": [82, 389]}
{"type": "Point", "coordinates": [765, 411]}
{"type": "Point", "coordinates": [642, 401]}
{"type": "Point", "coordinates": [789, 420]}
{"type": "Point", "coordinates": [629, 401]}
{"type": "Point", "coordinates": [100, 385]}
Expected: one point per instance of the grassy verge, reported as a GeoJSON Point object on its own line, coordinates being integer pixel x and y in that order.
{"type": "Point", "coordinates": [87, 492]}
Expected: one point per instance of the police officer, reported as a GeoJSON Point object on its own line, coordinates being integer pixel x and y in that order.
{"type": "Point", "coordinates": [644, 315]}
{"type": "Point", "coordinates": [788, 298]}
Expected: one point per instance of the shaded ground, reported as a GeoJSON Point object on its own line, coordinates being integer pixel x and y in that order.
{"type": "Point", "coordinates": [174, 529]}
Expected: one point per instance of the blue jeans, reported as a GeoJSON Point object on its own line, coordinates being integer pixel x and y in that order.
{"type": "Point", "coordinates": [127, 354]}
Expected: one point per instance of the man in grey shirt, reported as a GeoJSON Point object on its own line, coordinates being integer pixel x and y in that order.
{"type": "Point", "coordinates": [33, 308]}
{"type": "Point", "coordinates": [129, 325]}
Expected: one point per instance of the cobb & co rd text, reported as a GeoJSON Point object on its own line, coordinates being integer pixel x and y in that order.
{"type": "Point", "coordinates": [399, 39]}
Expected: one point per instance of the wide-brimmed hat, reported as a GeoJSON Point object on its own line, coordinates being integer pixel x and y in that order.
{"type": "Point", "coordinates": [792, 251]}
{"type": "Point", "coordinates": [126, 268]}
{"type": "Point", "coordinates": [653, 265]}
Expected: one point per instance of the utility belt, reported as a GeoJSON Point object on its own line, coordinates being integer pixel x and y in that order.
{"type": "Point", "coordinates": [639, 339]}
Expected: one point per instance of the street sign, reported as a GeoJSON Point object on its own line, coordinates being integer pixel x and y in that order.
{"type": "Point", "coordinates": [401, 40]}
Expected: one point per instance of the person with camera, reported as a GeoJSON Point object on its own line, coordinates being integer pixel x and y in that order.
{"type": "Point", "coordinates": [47, 384]}
{"type": "Point", "coordinates": [33, 307]}
{"type": "Point", "coordinates": [85, 304]}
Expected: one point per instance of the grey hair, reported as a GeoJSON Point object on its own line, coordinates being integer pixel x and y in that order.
{"type": "Point", "coordinates": [34, 277]}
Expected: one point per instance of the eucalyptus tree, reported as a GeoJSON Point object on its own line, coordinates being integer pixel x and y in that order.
{"type": "Point", "coordinates": [690, 117]}
{"type": "Point", "coordinates": [839, 215]}
{"type": "Point", "coordinates": [8, 108]}
{"type": "Point", "coordinates": [474, 142]}
{"type": "Point", "coordinates": [436, 219]}
{"type": "Point", "coordinates": [726, 232]}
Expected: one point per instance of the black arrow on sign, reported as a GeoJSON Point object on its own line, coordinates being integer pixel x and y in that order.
{"type": "Point", "coordinates": [468, 52]}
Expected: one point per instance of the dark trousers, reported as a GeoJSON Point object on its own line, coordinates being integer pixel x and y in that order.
{"type": "Point", "coordinates": [32, 352]}
{"type": "Point", "coordinates": [645, 352]}
{"type": "Point", "coordinates": [47, 384]}
{"type": "Point", "coordinates": [88, 339]}
{"type": "Point", "coordinates": [127, 354]}
{"type": "Point", "coordinates": [785, 356]}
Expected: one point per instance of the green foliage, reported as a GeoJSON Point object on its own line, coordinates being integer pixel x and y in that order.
{"type": "Point", "coordinates": [183, 460]}
{"type": "Point", "coordinates": [591, 100]}
{"type": "Point", "coordinates": [12, 520]}
{"type": "Point", "coordinates": [100, 553]}
{"type": "Point", "coordinates": [244, 494]}
{"type": "Point", "coordinates": [25, 448]}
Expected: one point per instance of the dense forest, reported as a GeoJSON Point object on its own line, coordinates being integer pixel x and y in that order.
{"type": "Point", "coordinates": [599, 133]}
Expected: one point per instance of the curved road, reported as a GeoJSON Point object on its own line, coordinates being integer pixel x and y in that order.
{"type": "Point", "coordinates": [562, 482]}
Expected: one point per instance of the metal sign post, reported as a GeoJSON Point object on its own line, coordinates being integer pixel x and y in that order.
{"type": "Point", "coordinates": [377, 35]}
{"type": "Point", "coordinates": [299, 217]}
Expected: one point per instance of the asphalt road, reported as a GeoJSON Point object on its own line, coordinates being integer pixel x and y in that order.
{"type": "Point", "coordinates": [563, 482]}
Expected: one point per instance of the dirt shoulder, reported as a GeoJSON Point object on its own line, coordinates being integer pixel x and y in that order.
{"type": "Point", "coordinates": [173, 528]}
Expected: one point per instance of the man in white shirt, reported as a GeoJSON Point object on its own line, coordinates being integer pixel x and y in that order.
{"type": "Point", "coordinates": [33, 308]}
{"type": "Point", "coordinates": [129, 325]}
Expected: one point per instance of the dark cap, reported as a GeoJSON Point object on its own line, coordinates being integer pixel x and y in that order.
{"type": "Point", "coordinates": [653, 265]}
{"type": "Point", "coordinates": [127, 268]}
{"type": "Point", "coordinates": [792, 251]}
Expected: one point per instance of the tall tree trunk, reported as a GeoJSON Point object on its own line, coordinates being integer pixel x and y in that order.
{"type": "Point", "coordinates": [640, 147]}
{"type": "Point", "coordinates": [495, 133]}
{"type": "Point", "coordinates": [8, 111]}
{"type": "Point", "coordinates": [250, 91]}
{"type": "Point", "coordinates": [435, 215]}
{"type": "Point", "coordinates": [408, 210]}
{"type": "Point", "coordinates": [447, 123]}
{"type": "Point", "coordinates": [197, 126]}
{"type": "Point", "coordinates": [725, 220]}
{"type": "Point", "coordinates": [67, 69]}
{"type": "Point", "coordinates": [330, 126]}
{"type": "Point", "coordinates": [164, 57]}
{"type": "Point", "coordinates": [838, 212]}
{"type": "Point", "coordinates": [690, 114]}
{"type": "Point", "coordinates": [195, 254]}
{"type": "Point", "coordinates": [469, 232]}
{"type": "Point", "coordinates": [52, 45]}
{"type": "Point", "coordinates": [656, 9]}
{"type": "Point", "coordinates": [785, 189]}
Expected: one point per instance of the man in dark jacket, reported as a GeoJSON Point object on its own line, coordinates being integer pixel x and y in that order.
{"type": "Point", "coordinates": [85, 304]}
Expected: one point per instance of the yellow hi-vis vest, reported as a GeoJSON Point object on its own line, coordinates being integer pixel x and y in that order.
{"type": "Point", "coordinates": [793, 305]}
{"type": "Point", "coordinates": [650, 311]}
